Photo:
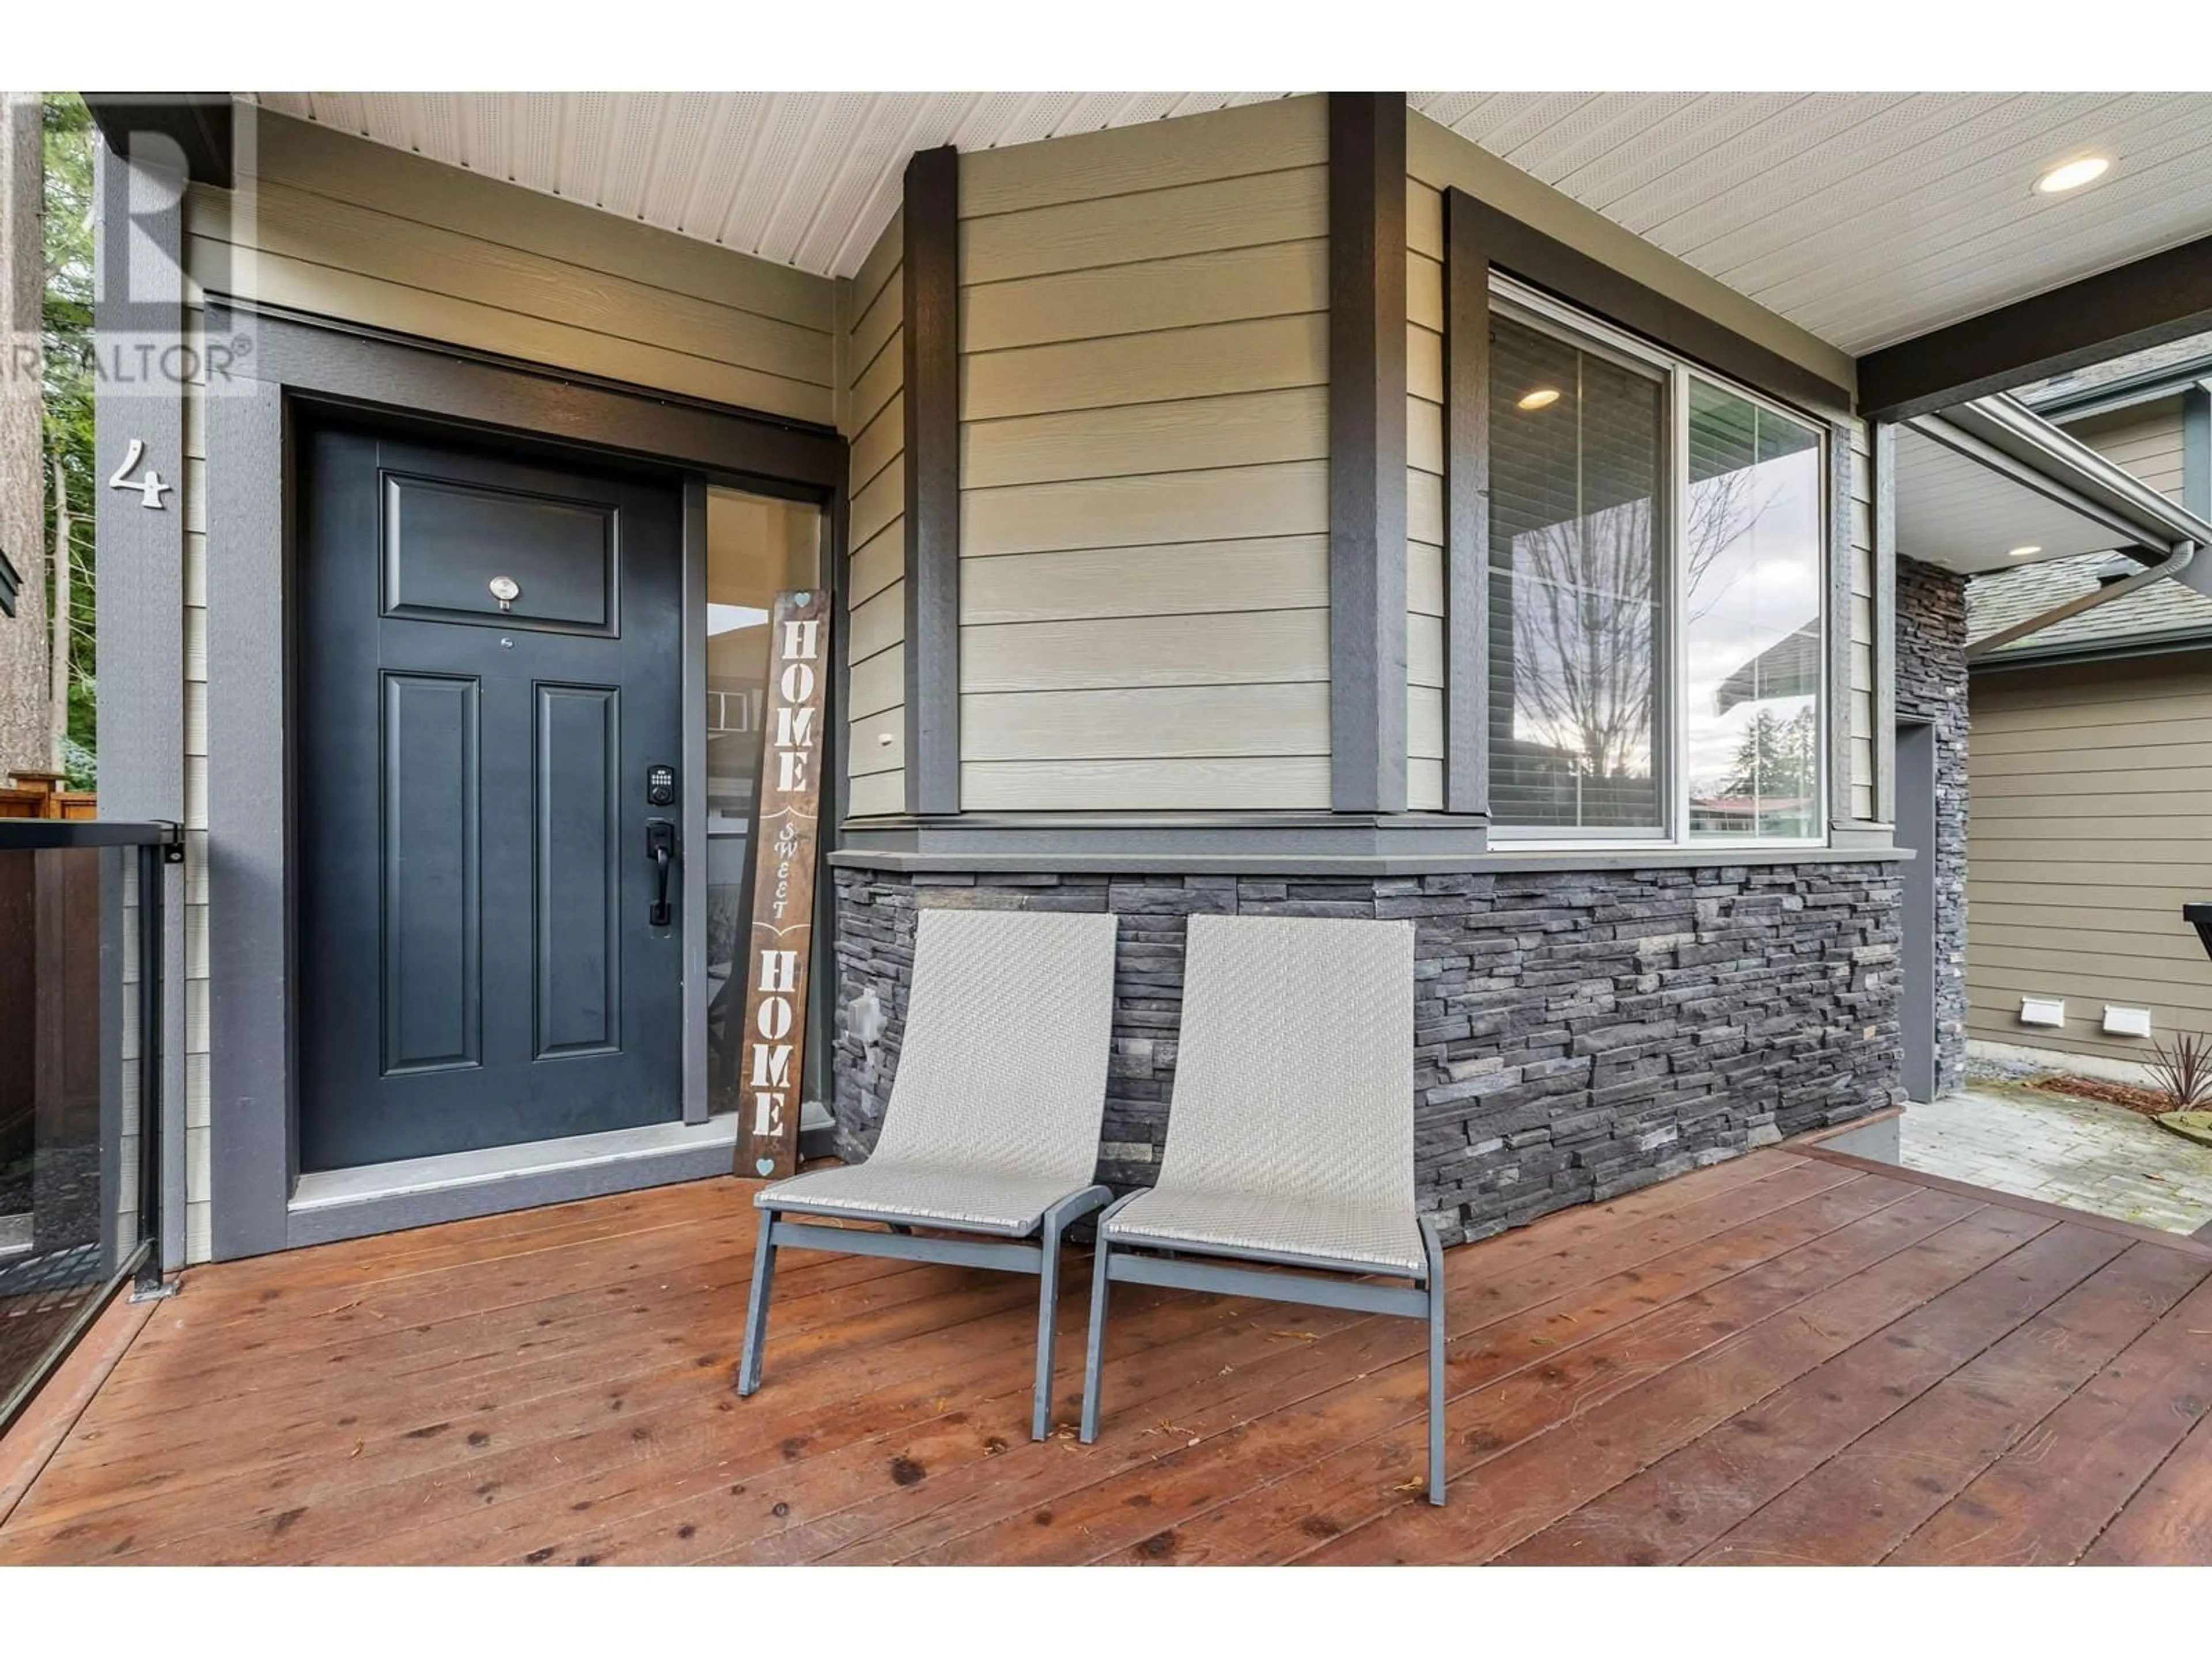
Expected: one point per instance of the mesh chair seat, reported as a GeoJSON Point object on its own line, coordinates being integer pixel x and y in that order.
{"type": "Point", "coordinates": [992, 1123]}
{"type": "Point", "coordinates": [975, 1200]}
{"type": "Point", "coordinates": [1350, 1237]}
{"type": "Point", "coordinates": [1290, 1136]}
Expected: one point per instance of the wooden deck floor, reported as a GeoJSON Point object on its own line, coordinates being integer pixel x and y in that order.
{"type": "Point", "coordinates": [1784, 1358]}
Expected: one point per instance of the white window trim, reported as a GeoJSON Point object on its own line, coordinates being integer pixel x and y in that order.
{"type": "Point", "coordinates": [1670, 724]}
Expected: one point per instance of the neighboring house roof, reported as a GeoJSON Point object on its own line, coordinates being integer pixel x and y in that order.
{"type": "Point", "coordinates": [2159, 368]}
{"type": "Point", "coordinates": [1790, 667]}
{"type": "Point", "coordinates": [2163, 614]}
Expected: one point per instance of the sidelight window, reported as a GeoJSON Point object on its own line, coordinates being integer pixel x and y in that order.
{"type": "Point", "coordinates": [1655, 560]}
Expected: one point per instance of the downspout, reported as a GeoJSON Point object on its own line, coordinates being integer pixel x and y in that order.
{"type": "Point", "coordinates": [2172, 564]}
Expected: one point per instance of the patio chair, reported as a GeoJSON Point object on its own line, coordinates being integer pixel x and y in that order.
{"type": "Point", "coordinates": [1289, 1138]}
{"type": "Point", "coordinates": [992, 1124]}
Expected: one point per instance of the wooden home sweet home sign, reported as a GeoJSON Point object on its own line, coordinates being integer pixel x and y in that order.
{"type": "Point", "coordinates": [772, 1066]}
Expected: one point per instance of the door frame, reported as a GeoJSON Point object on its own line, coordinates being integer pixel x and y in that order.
{"type": "Point", "coordinates": [301, 366]}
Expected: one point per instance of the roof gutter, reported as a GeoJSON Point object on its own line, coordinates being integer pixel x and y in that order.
{"type": "Point", "coordinates": [2004, 434]}
{"type": "Point", "coordinates": [2172, 564]}
{"type": "Point", "coordinates": [2115, 395]}
{"type": "Point", "coordinates": [2011, 428]}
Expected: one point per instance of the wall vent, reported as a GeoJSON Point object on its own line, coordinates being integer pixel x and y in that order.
{"type": "Point", "coordinates": [2042, 1011]}
{"type": "Point", "coordinates": [2126, 1021]}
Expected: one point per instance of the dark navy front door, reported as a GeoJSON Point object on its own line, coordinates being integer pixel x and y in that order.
{"type": "Point", "coordinates": [489, 664]}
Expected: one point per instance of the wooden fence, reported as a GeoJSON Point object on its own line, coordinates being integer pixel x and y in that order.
{"type": "Point", "coordinates": [49, 1015]}
{"type": "Point", "coordinates": [41, 795]}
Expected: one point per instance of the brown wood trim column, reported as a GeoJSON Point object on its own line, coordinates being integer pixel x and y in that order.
{"type": "Point", "coordinates": [1367, 451]}
{"type": "Point", "coordinates": [931, 360]}
{"type": "Point", "coordinates": [1466, 510]}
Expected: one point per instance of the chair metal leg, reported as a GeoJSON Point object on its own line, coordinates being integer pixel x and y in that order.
{"type": "Point", "coordinates": [1047, 1329]}
{"type": "Point", "coordinates": [1052, 1232]}
{"type": "Point", "coordinates": [749, 1366]}
{"type": "Point", "coordinates": [1434, 1249]}
{"type": "Point", "coordinates": [1094, 1359]}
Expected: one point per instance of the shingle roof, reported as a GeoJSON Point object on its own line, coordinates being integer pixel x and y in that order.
{"type": "Point", "coordinates": [2158, 612]}
{"type": "Point", "coordinates": [2174, 354]}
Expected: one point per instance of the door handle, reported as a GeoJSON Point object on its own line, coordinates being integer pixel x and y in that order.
{"type": "Point", "coordinates": [661, 847]}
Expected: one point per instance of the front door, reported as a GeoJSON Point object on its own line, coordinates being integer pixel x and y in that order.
{"type": "Point", "coordinates": [490, 669]}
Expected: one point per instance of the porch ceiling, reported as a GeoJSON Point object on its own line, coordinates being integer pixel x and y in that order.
{"type": "Point", "coordinates": [1866, 218]}
{"type": "Point", "coordinates": [806, 178]}
{"type": "Point", "coordinates": [1954, 511]}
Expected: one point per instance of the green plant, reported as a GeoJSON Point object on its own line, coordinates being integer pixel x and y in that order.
{"type": "Point", "coordinates": [2183, 1072]}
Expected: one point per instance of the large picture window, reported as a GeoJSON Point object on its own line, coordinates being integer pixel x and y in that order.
{"type": "Point", "coordinates": [1657, 639]}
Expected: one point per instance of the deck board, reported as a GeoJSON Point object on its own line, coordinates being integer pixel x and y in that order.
{"type": "Point", "coordinates": [1783, 1356]}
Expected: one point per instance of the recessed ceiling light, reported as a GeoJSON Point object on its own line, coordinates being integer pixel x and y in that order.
{"type": "Point", "coordinates": [1542, 397]}
{"type": "Point", "coordinates": [2072, 175]}
{"type": "Point", "coordinates": [2028, 552]}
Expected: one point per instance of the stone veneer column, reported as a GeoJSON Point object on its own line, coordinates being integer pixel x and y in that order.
{"type": "Point", "coordinates": [1931, 685]}
{"type": "Point", "coordinates": [1578, 1034]}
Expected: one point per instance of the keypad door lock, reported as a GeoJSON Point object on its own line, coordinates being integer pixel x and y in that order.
{"type": "Point", "coordinates": [660, 786]}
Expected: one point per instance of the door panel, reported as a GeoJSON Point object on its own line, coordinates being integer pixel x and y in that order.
{"type": "Point", "coordinates": [432, 955]}
{"type": "Point", "coordinates": [578, 881]}
{"type": "Point", "coordinates": [472, 813]}
{"type": "Point", "coordinates": [446, 542]}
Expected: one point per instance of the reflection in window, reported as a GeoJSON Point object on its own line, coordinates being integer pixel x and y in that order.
{"type": "Point", "coordinates": [757, 547]}
{"type": "Point", "coordinates": [1577, 442]}
{"type": "Point", "coordinates": [1752, 620]}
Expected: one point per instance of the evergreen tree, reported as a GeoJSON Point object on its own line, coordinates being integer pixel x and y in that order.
{"type": "Point", "coordinates": [68, 383]}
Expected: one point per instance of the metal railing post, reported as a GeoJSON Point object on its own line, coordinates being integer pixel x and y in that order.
{"type": "Point", "coordinates": [152, 881]}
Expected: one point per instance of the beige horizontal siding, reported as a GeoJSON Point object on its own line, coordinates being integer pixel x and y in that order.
{"type": "Point", "coordinates": [338, 227]}
{"type": "Point", "coordinates": [1855, 795]}
{"type": "Point", "coordinates": [1258, 354]}
{"type": "Point", "coordinates": [1425, 497]}
{"type": "Point", "coordinates": [873, 418]}
{"type": "Point", "coordinates": [1187, 434]}
{"type": "Point", "coordinates": [1273, 279]}
{"type": "Point", "coordinates": [1128, 160]}
{"type": "Point", "coordinates": [1268, 573]}
{"type": "Point", "coordinates": [1289, 498]}
{"type": "Point", "coordinates": [2088, 831]}
{"type": "Point", "coordinates": [1220, 648]}
{"type": "Point", "coordinates": [1248, 211]}
{"type": "Point", "coordinates": [304, 156]}
{"type": "Point", "coordinates": [879, 685]}
{"type": "Point", "coordinates": [2146, 439]}
{"type": "Point", "coordinates": [199, 1196]}
{"type": "Point", "coordinates": [1143, 467]}
{"type": "Point", "coordinates": [1177, 722]}
{"type": "Point", "coordinates": [1062, 785]}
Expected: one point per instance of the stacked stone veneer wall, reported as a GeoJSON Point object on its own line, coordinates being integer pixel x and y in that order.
{"type": "Point", "coordinates": [1577, 1034]}
{"type": "Point", "coordinates": [1931, 685]}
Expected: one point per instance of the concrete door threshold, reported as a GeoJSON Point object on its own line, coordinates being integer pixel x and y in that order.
{"type": "Point", "coordinates": [334, 1204]}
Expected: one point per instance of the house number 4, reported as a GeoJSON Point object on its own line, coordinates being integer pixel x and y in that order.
{"type": "Point", "coordinates": [149, 488]}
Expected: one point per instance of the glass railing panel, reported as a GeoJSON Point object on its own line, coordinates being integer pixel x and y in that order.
{"type": "Point", "coordinates": [80, 1043]}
